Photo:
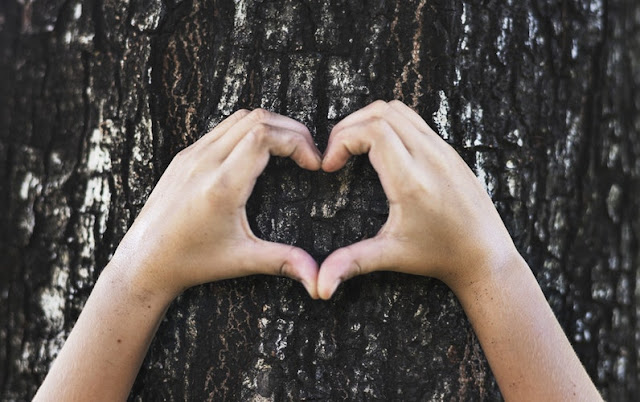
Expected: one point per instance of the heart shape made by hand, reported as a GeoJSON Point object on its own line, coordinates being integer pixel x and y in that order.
{"type": "Point", "coordinates": [194, 227]}
{"type": "Point", "coordinates": [432, 228]}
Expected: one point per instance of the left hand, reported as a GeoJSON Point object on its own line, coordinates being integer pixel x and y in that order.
{"type": "Point", "coordinates": [194, 229]}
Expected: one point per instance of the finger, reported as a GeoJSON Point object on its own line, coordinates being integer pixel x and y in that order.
{"type": "Point", "coordinates": [284, 260]}
{"type": "Point", "coordinates": [374, 136]}
{"type": "Point", "coordinates": [249, 158]}
{"type": "Point", "coordinates": [387, 153]}
{"type": "Point", "coordinates": [412, 116]}
{"type": "Point", "coordinates": [224, 126]}
{"type": "Point", "coordinates": [355, 117]}
{"type": "Point", "coordinates": [258, 120]}
{"type": "Point", "coordinates": [361, 258]}
{"type": "Point", "coordinates": [412, 135]}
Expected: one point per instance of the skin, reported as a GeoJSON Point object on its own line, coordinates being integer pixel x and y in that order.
{"type": "Point", "coordinates": [443, 224]}
{"type": "Point", "coordinates": [193, 229]}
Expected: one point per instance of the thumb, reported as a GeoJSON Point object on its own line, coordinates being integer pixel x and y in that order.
{"type": "Point", "coordinates": [285, 260]}
{"type": "Point", "coordinates": [357, 259]}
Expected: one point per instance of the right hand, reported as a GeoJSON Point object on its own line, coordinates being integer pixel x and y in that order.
{"type": "Point", "coordinates": [441, 221]}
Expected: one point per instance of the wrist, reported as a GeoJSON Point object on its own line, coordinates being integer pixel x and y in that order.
{"type": "Point", "coordinates": [140, 279]}
{"type": "Point", "coordinates": [492, 271]}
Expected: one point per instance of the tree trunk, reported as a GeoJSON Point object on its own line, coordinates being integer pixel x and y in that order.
{"type": "Point", "coordinates": [540, 98]}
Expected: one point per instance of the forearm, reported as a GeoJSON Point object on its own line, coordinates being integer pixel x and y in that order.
{"type": "Point", "coordinates": [105, 349]}
{"type": "Point", "coordinates": [192, 230]}
{"type": "Point", "coordinates": [527, 349]}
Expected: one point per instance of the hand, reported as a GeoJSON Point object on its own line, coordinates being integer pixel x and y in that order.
{"type": "Point", "coordinates": [194, 229]}
{"type": "Point", "coordinates": [441, 221]}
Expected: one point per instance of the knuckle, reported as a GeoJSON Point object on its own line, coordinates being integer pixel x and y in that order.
{"type": "Point", "coordinates": [342, 137]}
{"type": "Point", "coordinates": [259, 133]}
{"type": "Point", "coordinates": [381, 109]}
{"type": "Point", "coordinates": [442, 154]}
{"type": "Point", "coordinates": [260, 115]}
{"type": "Point", "coordinates": [355, 268]}
{"type": "Point", "coordinates": [396, 103]}
{"type": "Point", "coordinates": [285, 267]}
{"type": "Point", "coordinates": [283, 270]}
{"type": "Point", "coordinates": [240, 114]}
{"type": "Point", "coordinates": [296, 139]}
{"type": "Point", "coordinates": [379, 105]}
{"type": "Point", "coordinates": [380, 127]}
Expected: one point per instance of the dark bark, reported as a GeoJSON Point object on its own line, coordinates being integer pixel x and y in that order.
{"type": "Point", "coordinates": [540, 98]}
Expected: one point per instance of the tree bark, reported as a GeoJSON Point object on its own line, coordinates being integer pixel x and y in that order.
{"type": "Point", "coordinates": [539, 97]}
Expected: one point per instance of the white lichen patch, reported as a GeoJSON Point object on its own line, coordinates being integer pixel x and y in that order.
{"type": "Point", "coordinates": [85, 235]}
{"type": "Point", "coordinates": [482, 174]}
{"type": "Point", "coordinates": [464, 44]}
{"type": "Point", "coordinates": [99, 159]}
{"type": "Point", "coordinates": [472, 118]}
{"type": "Point", "coordinates": [235, 78]}
{"type": "Point", "coordinates": [97, 197]}
{"type": "Point", "coordinates": [303, 101]}
{"type": "Point", "coordinates": [97, 193]}
{"type": "Point", "coordinates": [501, 40]}
{"type": "Point", "coordinates": [343, 76]}
{"type": "Point", "coordinates": [564, 150]}
{"type": "Point", "coordinates": [441, 116]}
{"type": "Point", "coordinates": [78, 33]}
{"type": "Point", "coordinates": [240, 16]}
{"type": "Point", "coordinates": [143, 135]}
{"type": "Point", "coordinates": [478, 114]}
{"type": "Point", "coordinates": [86, 39]}
{"type": "Point", "coordinates": [323, 349]}
{"type": "Point", "coordinates": [347, 81]}
{"type": "Point", "coordinates": [284, 227]}
{"type": "Point", "coordinates": [77, 11]}
{"type": "Point", "coordinates": [147, 18]}
{"type": "Point", "coordinates": [513, 186]}
{"type": "Point", "coordinates": [29, 184]}
{"type": "Point", "coordinates": [534, 35]}
{"type": "Point", "coordinates": [281, 342]}
{"type": "Point", "coordinates": [22, 364]}
{"type": "Point", "coordinates": [52, 302]}
{"type": "Point", "coordinates": [515, 136]}
{"type": "Point", "coordinates": [613, 202]}
{"type": "Point", "coordinates": [49, 350]}
{"type": "Point", "coordinates": [328, 208]}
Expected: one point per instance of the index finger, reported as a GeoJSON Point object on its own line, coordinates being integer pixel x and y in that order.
{"type": "Point", "coordinates": [387, 153]}
{"type": "Point", "coordinates": [224, 126]}
{"type": "Point", "coordinates": [251, 155]}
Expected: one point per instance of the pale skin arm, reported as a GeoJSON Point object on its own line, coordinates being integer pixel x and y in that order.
{"type": "Point", "coordinates": [192, 230]}
{"type": "Point", "coordinates": [443, 224]}
{"type": "Point", "coordinates": [435, 228]}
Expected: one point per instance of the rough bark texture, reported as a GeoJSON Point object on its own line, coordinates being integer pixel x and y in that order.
{"type": "Point", "coordinates": [540, 97]}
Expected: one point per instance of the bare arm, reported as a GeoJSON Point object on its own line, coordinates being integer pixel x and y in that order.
{"type": "Point", "coordinates": [192, 230]}
{"type": "Point", "coordinates": [443, 224]}
{"type": "Point", "coordinates": [529, 353]}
